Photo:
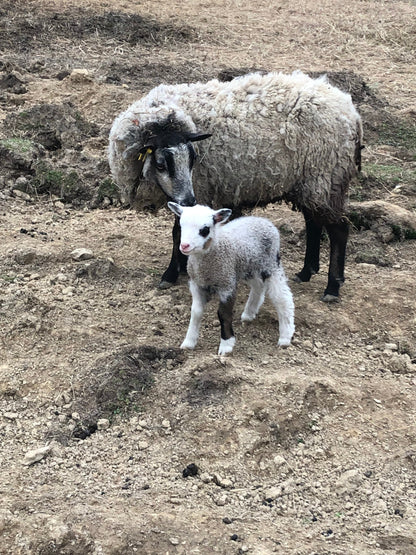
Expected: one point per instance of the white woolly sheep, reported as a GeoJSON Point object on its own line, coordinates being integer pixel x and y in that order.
{"type": "Point", "coordinates": [219, 256]}
{"type": "Point", "coordinates": [274, 137]}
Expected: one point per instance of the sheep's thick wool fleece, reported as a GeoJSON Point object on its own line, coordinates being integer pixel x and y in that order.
{"type": "Point", "coordinates": [273, 136]}
{"type": "Point", "coordinates": [242, 249]}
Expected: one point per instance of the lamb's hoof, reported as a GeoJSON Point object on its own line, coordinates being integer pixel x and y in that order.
{"type": "Point", "coordinates": [247, 317]}
{"type": "Point", "coordinates": [165, 284]}
{"type": "Point", "coordinates": [186, 345]}
{"type": "Point", "coordinates": [327, 298]}
{"type": "Point", "coordinates": [226, 346]}
{"type": "Point", "coordinates": [283, 343]}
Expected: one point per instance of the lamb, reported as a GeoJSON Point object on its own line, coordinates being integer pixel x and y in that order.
{"type": "Point", "coordinates": [261, 139]}
{"type": "Point", "coordinates": [219, 256]}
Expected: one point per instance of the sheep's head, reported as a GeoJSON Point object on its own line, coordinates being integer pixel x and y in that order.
{"type": "Point", "coordinates": [198, 226]}
{"type": "Point", "coordinates": [167, 158]}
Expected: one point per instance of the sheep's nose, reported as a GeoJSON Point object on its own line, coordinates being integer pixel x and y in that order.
{"type": "Point", "coordinates": [190, 200]}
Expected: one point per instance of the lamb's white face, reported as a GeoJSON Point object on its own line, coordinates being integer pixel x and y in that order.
{"type": "Point", "coordinates": [198, 226]}
{"type": "Point", "coordinates": [197, 229]}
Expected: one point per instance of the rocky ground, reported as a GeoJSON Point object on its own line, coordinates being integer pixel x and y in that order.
{"type": "Point", "coordinates": [113, 440]}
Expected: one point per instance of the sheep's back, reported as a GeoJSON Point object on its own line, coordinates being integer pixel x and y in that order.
{"type": "Point", "coordinates": [273, 136]}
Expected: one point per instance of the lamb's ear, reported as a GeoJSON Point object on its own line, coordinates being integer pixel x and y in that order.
{"type": "Point", "coordinates": [221, 216]}
{"type": "Point", "coordinates": [176, 208]}
{"type": "Point", "coordinates": [194, 137]}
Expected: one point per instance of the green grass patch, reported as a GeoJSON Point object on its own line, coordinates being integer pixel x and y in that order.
{"type": "Point", "coordinates": [391, 174]}
{"type": "Point", "coordinates": [401, 135]}
{"type": "Point", "coordinates": [17, 144]}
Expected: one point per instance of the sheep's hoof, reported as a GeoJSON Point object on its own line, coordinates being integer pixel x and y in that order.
{"type": "Point", "coordinates": [327, 298]}
{"type": "Point", "coordinates": [165, 284]}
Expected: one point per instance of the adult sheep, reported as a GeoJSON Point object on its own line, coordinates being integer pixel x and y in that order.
{"type": "Point", "coordinates": [271, 137]}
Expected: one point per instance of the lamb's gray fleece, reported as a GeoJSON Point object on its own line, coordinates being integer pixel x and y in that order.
{"type": "Point", "coordinates": [243, 249]}
{"type": "Point", "coordinates": [273, 136]}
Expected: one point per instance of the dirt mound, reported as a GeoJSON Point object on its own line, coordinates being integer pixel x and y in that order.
{"type": "Point", "coordinates": [117, 386]}
{"type": "Point", "coordinates": [54, 126]}
{"type": "Point", "coordinates": [36, 29]}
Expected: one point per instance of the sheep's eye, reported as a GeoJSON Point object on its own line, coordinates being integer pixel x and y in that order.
{"type": "Point", "coordinates": [160, 166]}
{"type": "Point", "coordinates": [204, 231]}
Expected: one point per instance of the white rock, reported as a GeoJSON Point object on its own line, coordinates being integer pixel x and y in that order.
{"type": "Point", "coordinates": [103, 424]}
{"type": "Point", "coordinates": [36, 455]}
{"type": "Point", "coordinates": [11, 415]}
{"type": "Point", "coordinates": [81, 254]}
{"type": "Point", "coordinates": [165, 424]}
{"type": "Point", "coordinates": [273, 492]}
{"type": "Point", "coordinates": [143, 445]}
{"type": "Point", "coordinates": [279, 460]}
{"type": "Point", "coordinates": [20, 194]}
{"type": "Point", "coordinates": [349, 481]}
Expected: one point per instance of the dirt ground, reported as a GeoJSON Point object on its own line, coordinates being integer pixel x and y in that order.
{"type": "Point", "coordinates": [113, 441]}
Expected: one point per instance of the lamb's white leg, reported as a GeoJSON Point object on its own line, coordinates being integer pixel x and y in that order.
{"type": "Point", "coordinates": [199, 301]}
{"type": "Point", "coordinates": [254, 301]}
{"type": "Point", "coordinates": [282, 299]}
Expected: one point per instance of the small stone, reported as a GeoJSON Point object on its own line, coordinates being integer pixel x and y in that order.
{"type": "Point", "coordinates": [165, 424]}
{"type": "Point", "coordinates": [227, 520]}
{"type": "Point", "coordinates": [11, 415]}
{"type": "Point", "coordinates": [75, 416]}
{"type": "Point", "coordinates": [36, 455]}
{"type": "Point", "coordinates": [26, 256]}
{"type": "Point", "coordinates": [222, 482]}
{"type": "Point", "coordinates": [81, 254]}
{"type": "Point", "coordinates": [174, 541]}
{"type": "Point", "coordinates": [103, 424]}
{"type": "Point", "coordinates": [143, 423]}
{"type": "Point", "coordinates": [143, 445]}
{"type": "Point", "coordinates": [190, 470]}
{"type": "Point", "coordinates": [221, 500]}
{"type": "Point", "coordinates": [279, 460]}
{"type": "Point", "coordinates": [391, 346]}
{"type": "Point", "coordinates": [22, 195]}
{"type": "Point", "coordinates": [80, 76]}
{"type": "Point", "coordinates": [21, 182]}
{"type": "Point", "coordinates": [206, 478]}
{"type": "Point", "coordinates": [272, 493]}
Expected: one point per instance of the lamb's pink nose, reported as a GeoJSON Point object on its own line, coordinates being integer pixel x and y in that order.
{"type": "Point", "coordinates": [185, 247]}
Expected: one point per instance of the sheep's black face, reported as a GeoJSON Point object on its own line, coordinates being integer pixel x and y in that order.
{"type": "Point", "coordinates": [172, 158]}
{"type": "Point", "coordinates": [171, 169]}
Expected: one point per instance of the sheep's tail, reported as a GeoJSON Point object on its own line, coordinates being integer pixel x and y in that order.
{"type": "Point", "coordinates": [358, 145]}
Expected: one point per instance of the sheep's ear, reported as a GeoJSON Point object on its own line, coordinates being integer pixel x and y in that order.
{"type": "Point", "coordinates": [194, 137]}
{"type": "Point", "coordinates": [221, 216]}
{"type": "Point", "coordinates": [176, 208]}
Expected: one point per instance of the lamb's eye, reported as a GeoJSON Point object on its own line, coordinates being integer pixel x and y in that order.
{"type": "Point", "coordinates": [204, 231]}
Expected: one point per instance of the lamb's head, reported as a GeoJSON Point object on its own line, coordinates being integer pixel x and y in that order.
{"type": "Point", "coordinates": [198, 226]}
{"type": "Point", "coordinates": [168, 156]}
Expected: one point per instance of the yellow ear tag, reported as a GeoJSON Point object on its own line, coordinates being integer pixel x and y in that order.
{"type": "Point", "coordinates": [143, 155]}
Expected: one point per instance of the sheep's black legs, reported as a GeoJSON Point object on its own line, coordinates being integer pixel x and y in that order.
{"type": "Point", "coordinates": [338, 236]}
{"type": "Point", "coordinates": [313, 243]}
{"type": "Point", "coordinates": [178, 260]}
{"type": "Point", "coordinates": [225, 315]}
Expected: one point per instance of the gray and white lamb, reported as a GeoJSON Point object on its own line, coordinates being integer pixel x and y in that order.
{"type": "Point", "coordinates": [267, 138]}
{"type": "Point", "coordinates": [219, 256]}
